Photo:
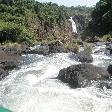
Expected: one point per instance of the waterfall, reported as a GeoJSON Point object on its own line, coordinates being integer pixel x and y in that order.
{"type": "Point", "coordinates": [74, 26]}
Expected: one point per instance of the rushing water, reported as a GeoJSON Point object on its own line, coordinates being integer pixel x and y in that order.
{"type": "Point", "coordinates": [74, 26]}
{"type": "Point", "coordinates": [33, 89]}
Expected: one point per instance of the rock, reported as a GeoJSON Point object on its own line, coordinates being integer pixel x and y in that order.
{"type": "Point", "coordinates": [81, 75]}
{"type": "Point", "coordinates": [3, 73]}
{"type": "Point", "coordinates": [109, 69]}
{"type": "Point", "coordinates": [109, 47]}
{"type": "Point", "coordinates": [84, 57]}
{"type": "Point", "coordinates": [9, 65]}
{"type": "Point", "coordinates": [56, 47]}
{"type": "Point", "coordinates": [105, 84]}
{"type": "Point", "coordinates": [12, 51]}
{"type": "Point", "coordinates": [9, 59]}
{"type": "Point", "coordinates": [39, 49]}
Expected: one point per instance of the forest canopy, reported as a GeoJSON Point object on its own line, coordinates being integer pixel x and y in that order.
{"type": "Point", "coordinates": [30, 20]}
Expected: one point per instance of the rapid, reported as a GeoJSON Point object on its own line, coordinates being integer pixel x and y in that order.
{"type": "Point", "coordinates": [33, 88]}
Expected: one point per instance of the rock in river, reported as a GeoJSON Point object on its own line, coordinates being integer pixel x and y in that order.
{"type": "Point", "coordinates": [81, 75]}
{"type": "Point", "coordinates": [84, 57]}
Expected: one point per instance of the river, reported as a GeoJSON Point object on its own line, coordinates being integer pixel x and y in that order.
{"type": "Point", "coordinates": [34, 89]}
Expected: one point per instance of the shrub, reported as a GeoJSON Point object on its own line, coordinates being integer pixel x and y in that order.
{"type": "Point", "coordinates": [107, 37]}
{"type": "Point", "coordinates": [15, 33]}
{"type": "Point", "coordinates": [72, 46]}
{"type": "Point", "coordinates": [87, 48]}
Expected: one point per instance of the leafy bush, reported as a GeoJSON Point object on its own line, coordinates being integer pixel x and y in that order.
{"type": "Point", "coordinates": [107, 37]}
{"type": "Point", "coordinates": [8, 17]}
{"type": "Point", "coordinates": [72, 46]}
{"type": "Point", "coordinates": [14, 32]}
{"type": "Point", "coordinates": [87, 48]}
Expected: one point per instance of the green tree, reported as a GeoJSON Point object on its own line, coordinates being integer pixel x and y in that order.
{"type": "Point", "coordinates": [101, 18]}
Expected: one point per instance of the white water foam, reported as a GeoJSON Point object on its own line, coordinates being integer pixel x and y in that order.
{"type": "Point", "coordinates": [32, 89]}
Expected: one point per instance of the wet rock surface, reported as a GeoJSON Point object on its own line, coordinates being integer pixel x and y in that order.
{"type": "Point", "coordinates": [81, 75]}
{"type": "Point", "coordinates": [109, 69]}
{"type": "Point", "coordinates": [9, 60]}
{"type": "Point", "coordinates": [54, 47]}
{"type": "Point", "coordinates": [84, 57]}
{"type": "Point", "coordinates": [109, 47]}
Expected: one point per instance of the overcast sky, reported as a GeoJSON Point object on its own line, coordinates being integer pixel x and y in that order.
{"type": "Point", "coordinates": [72, 2]}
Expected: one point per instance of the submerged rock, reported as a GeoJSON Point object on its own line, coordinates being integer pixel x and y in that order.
{"type": "Point", "coordinates": [81, 75]}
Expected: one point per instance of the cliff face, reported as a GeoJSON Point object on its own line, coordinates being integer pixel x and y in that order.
{"type": "Point", "coordinates": [82, 22]}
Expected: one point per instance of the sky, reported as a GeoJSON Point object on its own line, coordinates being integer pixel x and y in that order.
{"type": "Point", "coordinates": [72, 2]}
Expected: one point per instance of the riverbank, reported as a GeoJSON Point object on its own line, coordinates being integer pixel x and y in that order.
{"type": "Point", "coordinates": [10, 58]}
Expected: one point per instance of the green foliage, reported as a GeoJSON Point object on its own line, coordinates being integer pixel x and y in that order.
{"type": "Point", "coordinates": [13, 32]}
{"type": "Point", "coordinates": [80, 10]}
{"type": "Point", "coordinates": [101, 22]}
{"type": "Point", "coordinates": [87, 48]}
{"type": "Point", "coordinates": [50, 13]}
{"type": "Point", "coordinates": [29, 20]}
{"type": "Point", "coordinates": [72, 45]}
{"type": "Point", "coordinates": [107, 37]}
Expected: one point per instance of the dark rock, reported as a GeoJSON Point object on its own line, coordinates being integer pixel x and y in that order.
{"type": "Point", "coordinates": [105, 84]}
{"type": "Point", "coordinates": [12, 51]}
{"type": "Point", "coordinates": [9, 65]}
{"type": "Point", "coordinates": [3, 73]}
{"type": "Point", "coordinates": [109, 47]}
{"type": "Point", "coordinates": [109, 69]}
{"type": "Point", "coordinates": [42, 49]}
{"type": "Point", "coordinates": [84, 57]}
{"type": "Point", "coordinates": [56, 47]}
{"type": "Point", "coordinates": [81, 23]}
{"type": "Point", "coordinates": [9, 60]}
{"type": "Point", "coordinates": [81, 75]}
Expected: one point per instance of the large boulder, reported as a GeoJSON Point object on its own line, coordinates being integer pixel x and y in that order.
{"type": "Point", "coordinates": [9, 60]}
{"type": "Point", "coordinates": [81, 75]}
{"type": "Point", "coordinates": [84, 57]}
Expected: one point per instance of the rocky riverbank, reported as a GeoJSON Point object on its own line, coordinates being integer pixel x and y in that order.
{"type": "Point", "coordinates": [10, 58]}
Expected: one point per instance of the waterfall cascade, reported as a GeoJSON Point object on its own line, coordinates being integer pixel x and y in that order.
{"type": "Point", "coordinates": [74, 26]}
